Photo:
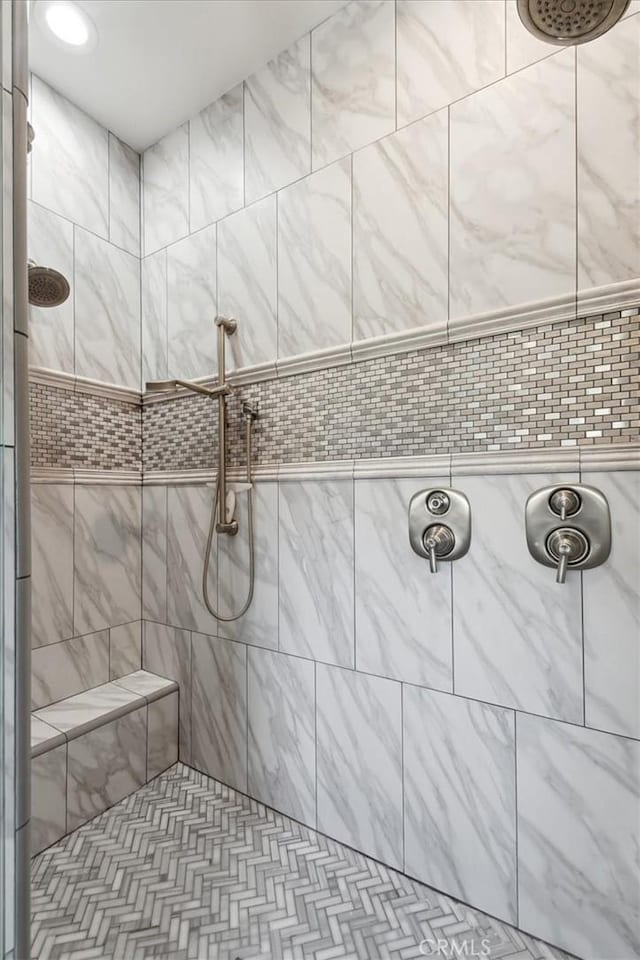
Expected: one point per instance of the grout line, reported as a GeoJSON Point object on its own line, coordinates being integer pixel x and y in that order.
{"type": "Point", "coordinates": [402, 780]}
{"type": "Point", "coordinates": [517, 819]}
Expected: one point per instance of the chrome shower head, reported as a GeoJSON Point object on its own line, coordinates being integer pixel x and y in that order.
{"type": "Point", "coordinates": [47, 287]}
{"type": "Point", "coordinates": [566, 22]}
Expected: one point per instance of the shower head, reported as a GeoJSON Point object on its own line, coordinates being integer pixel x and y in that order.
{"type": "Point", "coordinates": [567, 22]}
{"type": "Point", "coordinates": [47, 287]}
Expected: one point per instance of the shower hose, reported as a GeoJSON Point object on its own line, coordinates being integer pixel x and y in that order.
{"type": "Point", "coordinates": [212, 526]}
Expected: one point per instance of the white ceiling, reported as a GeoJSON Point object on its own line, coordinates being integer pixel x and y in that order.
{"type": "Point", "coordinates": [159, 62]}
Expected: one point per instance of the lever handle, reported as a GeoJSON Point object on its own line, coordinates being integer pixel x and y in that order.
{"type": "Point", "coordinates": [564, 549]}
{"type": "Point", "coordinates": [430, 545]}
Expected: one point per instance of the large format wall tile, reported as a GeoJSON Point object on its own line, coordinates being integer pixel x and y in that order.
{"type": "Point", "coordinates": [70, 160]}
{"type": "Point", "coordinates": [154, 553]}
{"type": "Point", "coordinates": [608, 166]}
{"type": "Point", "coordinates": [124, 196]}
{"type": "Point", "coordinates": [162, 734]}
{"type": "Point", "coordinates": [513, 190]}
{"type": "Point", "coordinates": [125, 649]}
{"type": "Point", "coordinates": [578, 838]}
{"type": "Point", "coordinates": [260, 624]}
{"type": "Point", "coordinates": [403, 615]}
{"type": "Point", "coordinates": [188, 514]}
{"type": "Point", "coordinates": [107, 311]}
{"type": "Point", "coordinates": [611, 602]}
{"type": "Point", "coordinates": [359, 737]}
{"type": "Point", "coordinates": [400, 243]}
{"type": "Point", "coordinates": [61, 670]}
{"type": "Point", "coordinates": [191, 273]}
{"type": "Point", "coordinates": [50, 244]}
{"type": "Point", "coordinates": [522, 47]}
{"type": "Point", "coordinates": [153, 304]}
{"type": "Point", "coordinates": [277, 119]}
{"type": "Point", "coordinates": [282, 751]}
{"type": "Point", "coordinates": [446, 50]}
{"type": "Point", "coordinates": [517, 634]}
{"type": "Point", "coordinates": [316, 570]}
{"type": "Point", "coordinates": [48, 798]}
{"type": "Point", "coordinates": [460, 799]}
{"type": "Point", "coordinates": [216, 166]}
{"type": "Point", "coordinates": [353, 79]}
{"type": "Point", "coordinates": [220, 709]}
{"type": "Point", "coordinates": [51, 563]}
{"type": "Point", "coordinates": [107, 557]}
{"type": "Point", "coordinates": [165, 190]}
{"type": "Point", "coordinates": [167, 652]}
{"type": "Point", "coordinates": [314, 261]}
{"type": "Point", "coordinates": [247, 282]}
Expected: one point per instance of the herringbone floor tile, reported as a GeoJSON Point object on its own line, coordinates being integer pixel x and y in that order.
{"type": "Point", "coordinates": [188, 869]}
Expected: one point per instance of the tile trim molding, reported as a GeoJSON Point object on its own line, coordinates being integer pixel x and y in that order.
{"type": "Point", "coordinates": [69, 381]}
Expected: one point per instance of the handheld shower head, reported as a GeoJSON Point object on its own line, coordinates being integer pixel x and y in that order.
{"type": "Point", "coordinates": [566, 22]}
{"type": "Point", "coordinates": [47, 287]}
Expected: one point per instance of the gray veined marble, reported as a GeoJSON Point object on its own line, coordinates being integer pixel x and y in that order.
{"type": "Point", "coordinates": [316, 570]}
{"type": "Point", "coordinates": [88, 710]}
{"type": "Point", "coordinates": [48, 798]}
{"type": "Point", "coordinates": [162, 735]}
{"type": "Point", "coordinates": [400, 242]}
{"type": "Point", "coordinates": [282, 752]}
{"type": "Point", "coordinates": [50, 244]}
{"type": "Point", "coordinates": [165, 190]}
{"type": "Point", "coordinates": [359, 744]}
{"type": "Point", "coordinates": [124, 196]}
{"type": "Point", "coordinates": [70, 160]}
{"type": "Point", "coordinates": [51, 563]}
{"type": "Point", "coordinates": [167, 653]}
{"type": "Point", "coordinates": [216, 164]}
{"type": "Point", "coordinates": [446, 50]}
{"type": "Point", "coordinates": [125, 649]}
{"type": "Point", "coordinates": [396, 597]}
{"type": "Point", "coordinates": [512, 156]}
{"type": "Point", "coordinates": [314, 261]}
{"type": "Point", "coordinates": [188, 513]}
{"type": "Point", "coordinates": [219, 709]}
{"type": "Point", "coordinates": [247, 282]}
{"type": "Point", "coordinates": [44, 737]}
{"type": "Point", "coordinates": [579, 837]}
{"type": "Point", "coordinates": [154, 553]}
{"type": "Point", "coordinates": [277, 117]}
{"type": "Point", "coordinates": [148, 685]}
{"type": "Point", "coordinates": [522, 47]}
{"type": "Point", "coordinates": [107, 311]}
{"type": "Point", "coordinates": [107, 556]}
{"type": "Point", "coordinates": [153, 306]}
{"type": "Point", "coordinates": [64, 669]}
{"type": "Point", "coordinates": [460, 799]}
{"type": "Point", "coordinates": [191, 305]}
{"type": "Point", "coordinates": [353, 79]}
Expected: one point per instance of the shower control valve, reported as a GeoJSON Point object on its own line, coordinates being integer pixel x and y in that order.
{"type": "Point", "coordinates": [439, 525]}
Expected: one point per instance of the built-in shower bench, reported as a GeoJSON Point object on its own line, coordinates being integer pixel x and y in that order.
{"type": "Point", "coordinates": [95, 748]}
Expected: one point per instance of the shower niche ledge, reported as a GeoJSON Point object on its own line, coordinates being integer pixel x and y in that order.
{"type": "Point", "coordinates": [93, 749]}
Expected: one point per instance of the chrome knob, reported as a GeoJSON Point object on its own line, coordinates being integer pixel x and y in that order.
{"type": "Point", "coordinates": [564, 502]}
{"type": "Point", "coordinates": [438, 541]}
{"type": "Point", "coordinates": [566, 546]}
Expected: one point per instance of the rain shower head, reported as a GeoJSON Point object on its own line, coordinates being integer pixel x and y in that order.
{"type": "Point", "coordinates": [47, 287]}
{"type": "Point", "coordinates": [567, 22]}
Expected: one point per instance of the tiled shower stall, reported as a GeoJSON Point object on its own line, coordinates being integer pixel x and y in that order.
{"type": "Point", "coordinates": [433, 252]}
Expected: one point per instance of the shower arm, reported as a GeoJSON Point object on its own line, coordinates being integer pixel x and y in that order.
{"type": "Point", "coordinates": [226, 328]}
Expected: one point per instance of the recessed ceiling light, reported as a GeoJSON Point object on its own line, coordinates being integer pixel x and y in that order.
{"type": "Point", "coordinates": [69, 24]}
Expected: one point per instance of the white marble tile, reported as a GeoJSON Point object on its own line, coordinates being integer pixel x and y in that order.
{"type": "Point", "coordinates": [48, 798]}
{"type": "Point", "coordinates": [247, 282]}
{"type": "Point", "coordinates": [85, 711]}
{"type": "Point", "coordinates": [188, 513]}
{"type": "Point", "coordinates": [124, 196]}
{"type": "Point", "coordinates": [107, 311]}
{"type": "Point", "coordinates": [513, 190]}
{"type": "Point", "coordinates": [216, 159]}
{"type": "Point", "coordinates": [608, 167]}
{"type": "Point", "coordinates": [107, 556]}
{"type": "Point", "coordinates": [316, 570]}
{"type": "Point", "coordinates": [153, 305]}
{"type": "Point", "coordinates": [191, 306]}
{"type": "Point", "coordinates": [517, 633]}
{"type": "Point", "coordinates": [522, 47]}
{"type": "Point", "coordinates": [460, 799]}
{"type": "Point", "coordinates": [154, 553]}
{"type": "Point", "coordinates": [446, 50]}
{"type": "Point", "coordinates": [314, 261]}
{"type": "Point", "coordinates": [162, 734]}
{"type": "Point", "coordinates": [167, 653]}
{"type": "Point", "coordinates": [44, 737]}
{"type": "Point", "coordinates": [403, 613]}
{"type": "Point", "coordinates": [149, 685]}
{"type": "Point", "coordinates": [50, 244]}
{"type": "Point", "coordinates": [578, 838]}
{"type": "Point", "coordinates": [51, 563]}
{"type": "Point", "coordinates": [165, 190]}
{"type": "Point", "coordinates": [106, 765]}
{"type": "Point", "coordinates": [69, 161]}
{"type": "Point", "coordinates": [353, 79]}
{"type": "Point", "coordinates": [66, 668]}
{"type": "Point", "coordinates": [359, 743]}
{"type": "Point", "coordinates": [401, 230]}
{"type": "Point", "coordinates": [260, 624]}
{"type": "Point", "coordinates": [611, 604]}
{"type": "Point", "coordinates": [282, 751]}
{"type": "Point", "coordinates": [277, 119]}
{"type": "Point", "coordinates": [125, 649]}
{"type": "Point", "coordinates": [219, 707]}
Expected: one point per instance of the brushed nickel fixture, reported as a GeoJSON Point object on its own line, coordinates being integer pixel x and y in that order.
{"type": "Point", "coordinates": [439, 539]}
{"type": "Point", "coordinates": [47, 287]}
{"type": "Point", "coordinates": [566, 22]}
{"type": "Point", "coordinates": [568, 527]}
